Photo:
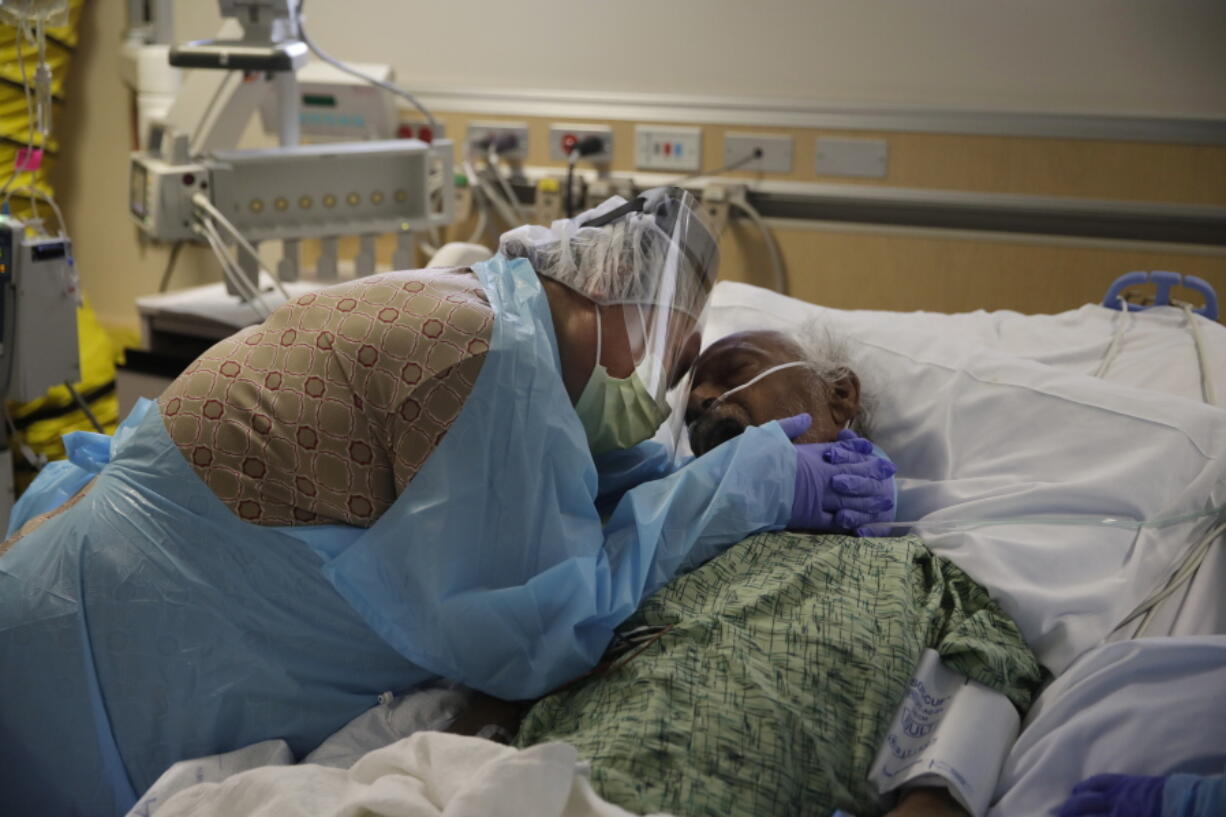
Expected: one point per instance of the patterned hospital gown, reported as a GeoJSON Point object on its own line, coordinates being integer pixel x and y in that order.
{"type": "Point", "coordinates": [784, 660]}
{"type": "Point", "coordinates": [326, 411]}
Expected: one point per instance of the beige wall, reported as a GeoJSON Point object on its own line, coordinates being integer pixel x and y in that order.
{"type": "Point", "coordinates": [856, 267]}
{"type": "Point", "coordinates": [936, 271]}
{"type": "Point", "coordinates": [1087, 168]}
{"type": "Point", "coordinates": [839, 266]}
{"type": "Point", "coordinates": [1088, 56]}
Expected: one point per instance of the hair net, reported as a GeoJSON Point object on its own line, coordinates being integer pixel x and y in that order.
{"type": "Point", "coordinates": [654, 250]}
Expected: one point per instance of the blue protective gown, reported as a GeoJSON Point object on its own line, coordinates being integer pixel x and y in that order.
{"type": "Point", "coordinates": [148, 623]}
{"type": "Point", "coordinates": [1189, 795]}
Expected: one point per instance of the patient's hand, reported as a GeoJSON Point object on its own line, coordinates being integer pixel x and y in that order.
{"type": "Point", "coordinates": [927, 803]}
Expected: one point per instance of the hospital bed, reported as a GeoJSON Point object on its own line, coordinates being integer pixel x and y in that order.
{"type": "Point", "coordinates": [1072, 498]}
{"type": "Point", "coordinates": [1118, 704]}
{"type": "Point", "coordinates": [1156, 354]}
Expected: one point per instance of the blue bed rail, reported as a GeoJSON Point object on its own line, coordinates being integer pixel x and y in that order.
{"type": "Point", "coordinates": [1164, 281]}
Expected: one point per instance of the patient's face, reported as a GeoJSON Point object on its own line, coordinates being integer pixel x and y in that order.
{"type": "Point", "coordinates": [737, 359]}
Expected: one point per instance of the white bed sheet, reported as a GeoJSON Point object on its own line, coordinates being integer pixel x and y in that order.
{"type": "Point", "coordinates": [1197, 608]}
{"type": "Point", "coordinates": [430, 774]}
{"type": "Point", "coordinates": [989, 416]}
{"type": "Point", "coordinates": [1152, 706]}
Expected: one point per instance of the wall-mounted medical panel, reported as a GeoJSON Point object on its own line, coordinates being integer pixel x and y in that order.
{"type": "Point", "coordinates": [860, 158]}
{"type": "Point", "coordinates": [667, 148]}
{"type": "Point", "coordinates": [508, 139]}
{"type": "Point", "coordinates": [564, 137]}
{"type": "Point", "coordinates": [325, 190]}
{"type": "Point", "coordinates": [771, 152]}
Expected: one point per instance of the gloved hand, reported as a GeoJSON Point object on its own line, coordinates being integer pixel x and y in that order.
{"type": "Point", "coordinates": [1115, 795]}
{"type": "Point", "coordinates": [840, 486]}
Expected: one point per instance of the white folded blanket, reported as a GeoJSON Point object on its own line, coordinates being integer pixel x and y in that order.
{"type": "Point", "coordinates": [429, 774]}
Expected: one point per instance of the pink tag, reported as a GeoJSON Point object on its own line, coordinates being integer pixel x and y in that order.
{"type": "Point", "coordinates": [29, 159]}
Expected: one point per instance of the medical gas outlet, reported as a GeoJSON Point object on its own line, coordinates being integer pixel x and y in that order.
{"type": "Point", "coordinates": [509, 140]}
{"type": "Point", "coordinates": [565, 138]}
{"type": "Point", "coordinates": [673, 148]}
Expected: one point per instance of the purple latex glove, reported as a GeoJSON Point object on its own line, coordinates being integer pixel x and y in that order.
{"type": "Point", "coordinates": [840, 486]}
{"type": "Point", "coordinates": [1115, 795]}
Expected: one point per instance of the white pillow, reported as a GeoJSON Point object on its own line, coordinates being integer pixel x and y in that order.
{"type": "Point", "coordinates": [1156, 351]}
{"type": "Point", "coordinates": [978, 434]}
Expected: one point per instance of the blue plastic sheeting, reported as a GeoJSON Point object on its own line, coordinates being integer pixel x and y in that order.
{"type": "Point", "coordinates": [204, 634]}
{"type": "Point", "coordinates": [619, 471]}
{"type": "Point", "coordinates": [56, 483]}
{"type": "Point", "coordinates": [148, 624]}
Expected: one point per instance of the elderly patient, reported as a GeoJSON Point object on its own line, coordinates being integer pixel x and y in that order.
{"type": "Point", "coordinates": [803, 380]}
{"type": "Point", "coordinates": [751, 378]}
{"type": "Point", "coordinates": [763, 682]}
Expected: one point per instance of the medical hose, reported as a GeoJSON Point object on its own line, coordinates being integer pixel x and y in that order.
{"type": "Point", "coordinates": [491, 195]}
{"type": "Point", "coordinates": [568, 199]}
{"type": "Point", "coordinates": [753, 155]}
{"type": "Point", "coordinates": [202, 202]}
{"type": "Point", "coordinates": [85, 409]}
{"type": "Point", "coordinates": [1122, 322]}
{"type": "Point", "coordinates": [395, 90]}
{"type": "Point", "coordinates": [22, 126]}
{"type": "Point", "coordinates": [1206, 377]}
{"type": "Point", "coordinates": [493, 159]}
{"type": "Point", "coordinates": [768, 237]}
{"type": "Point", "coordinates": [1184, 571]}
{"type": "Point", "coordinates": [584, 147]}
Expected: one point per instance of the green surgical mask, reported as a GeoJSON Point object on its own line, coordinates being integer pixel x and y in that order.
{"type": "Point", "coordinates": [617, 413]}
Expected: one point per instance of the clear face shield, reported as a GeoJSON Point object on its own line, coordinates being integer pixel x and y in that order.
{"type": "Point", "coordinates": [652, 315]}
{"type": "Point", "coordinates": [648, 265]}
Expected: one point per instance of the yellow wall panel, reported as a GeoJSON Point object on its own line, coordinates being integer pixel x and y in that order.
{"type": "Point", "coordinates": [897, 270]}
{"type": "Point", "coordinates": [1083, 168]}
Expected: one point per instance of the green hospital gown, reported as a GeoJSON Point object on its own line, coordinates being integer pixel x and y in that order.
{"type": "Point", "coordinates": [772, 691]}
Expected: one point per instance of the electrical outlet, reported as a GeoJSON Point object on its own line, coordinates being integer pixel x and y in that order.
{"type": "Point", "coordinates": [776, 152]}
{"type": "Point", "coordinates": [659, 148]}
{"type": "Point", "coordinates": [563, 137]}
{"type": "Point", "coordinates": [862, 158]}
{"type": "Point", "coordinates": [513, 135]}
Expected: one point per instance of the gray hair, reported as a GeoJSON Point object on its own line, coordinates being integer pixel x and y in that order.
{"type": "Point", "coordinates": [827, 355]}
